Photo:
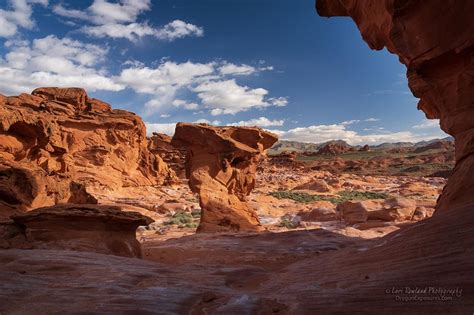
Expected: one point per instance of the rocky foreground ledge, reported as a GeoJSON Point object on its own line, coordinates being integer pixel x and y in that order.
{"type": "Point", "coordinates": [91, 228]}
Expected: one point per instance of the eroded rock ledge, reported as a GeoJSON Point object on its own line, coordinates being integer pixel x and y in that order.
{"type": "Point", "coordinates": [435, 40]}
{"type": "Point", "coordinates": [91, 228]}
{"type": "Point", "coordinates": [57, 145]}
{"type": "Point", "coordinates": [221, 163]}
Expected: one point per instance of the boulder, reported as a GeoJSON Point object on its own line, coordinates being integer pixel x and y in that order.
{"type": "Point", "coordinates": [316, 185]}
{"type": "Point", "coordinates": [221, 163]}
{"type": "Point", "coordinates": [357, 211]}
{"type": "Point", "coordinates": [321, 211]}
{"type": "Point", "coordinates": [92, 228]}
{"type": "Point", "coordinates": [172, 206]}
{"type": "Point", "coordinates": [393, 209]}
{"type": "Point", "coordinates": [422, 213]}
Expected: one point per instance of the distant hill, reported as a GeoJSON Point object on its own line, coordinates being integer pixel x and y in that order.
{"type": "Point", "coordinates": [389, 146]}
{"type": "Point", "coordinates": [284, 145]}
{"type": "Point", "coordinates": [335, 148]}
{"type": "Point", "coordinates": [425, 143]}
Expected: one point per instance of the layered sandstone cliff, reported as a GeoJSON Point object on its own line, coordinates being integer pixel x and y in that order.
{"type": "Point", "coordinates": [221, 163]}
{"type": "Point", "coordinates": [435, 40]}
{"type": "Point", "coordinates": [58, 145]}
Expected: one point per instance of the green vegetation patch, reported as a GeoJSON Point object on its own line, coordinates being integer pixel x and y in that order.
{"type": "Point", "coordinates": [287, 223]}
{"type": "Point", "coordinates": [340, 197]}
{"type": "Point", "coordinates": [182, 220]}
{"type": "Point", "coordinates": [359, 195]}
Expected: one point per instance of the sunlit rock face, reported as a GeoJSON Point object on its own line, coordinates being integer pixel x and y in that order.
{"type": "Point", "coordinates": [58, 145]}
{"type": "Point", "coordinates": [221, 164]}
{"type": "Point", "coordinates": [435, 40]}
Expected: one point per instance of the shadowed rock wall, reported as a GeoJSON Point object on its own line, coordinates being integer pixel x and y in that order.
{"type": "Point", "coordinates": [435, 40]}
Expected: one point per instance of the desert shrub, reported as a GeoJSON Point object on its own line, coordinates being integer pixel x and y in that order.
{"type": "Point", "coordinates": [287, 223]}
{"type": "Point", "coordinates": [180, 219]}
{"type": "Point", "coordinates": [340, 197]}
{"type": "Point", "coordinates": [297, 196]}
{"type": "Point", "coordinates": [359, 195]}
{"type": "Point", "coordinates": [191, 225]}
{"type": "Point", "coordinates": [196, 213]}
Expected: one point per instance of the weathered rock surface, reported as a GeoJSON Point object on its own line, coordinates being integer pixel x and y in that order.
{"type": "Point", "coordinates": [393, 209]}
{"type": "Point", "coordinates": [249, 274]}
{"type": "Point", "coordinates": [334, 148]}
{"type": "Point", "coordinates": [160, 144]}
{"type": "Point", "coordinates": [436, 43]}
{"type": "Point", "coordinates": [221, 163]}
{"type": "Point", "coordinates": [93, 228]}
{"type": "Point", "coordinates": [322, 211]}
{"type": "Point", "coordinates": [317, 185]}
{"type": "Point", "coordinates": [57, 145]}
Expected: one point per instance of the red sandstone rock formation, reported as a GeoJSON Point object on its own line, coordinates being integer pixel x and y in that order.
{"type": "Point", "coordinates": [334, 148]}
{"type": "Point", "coordinates": [393, 209]}
{"type": "Point", "coordinates": [160, 144]}
{"type": "Point", "coordinates": [56, 145]}
{"type": "Point", "coordinates": [100, 229]}
{"type": "Point", "coordinates": [365, 148]}
{"type": "Point", "coordinates": [435, 40]}
{"type": "Point", "coordinates": [221, 163]}
{"type": "Point", "coordinates": [285, 157]}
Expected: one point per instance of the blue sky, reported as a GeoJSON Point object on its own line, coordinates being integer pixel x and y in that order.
{"type": "Point", "coordinates": [271, 63]}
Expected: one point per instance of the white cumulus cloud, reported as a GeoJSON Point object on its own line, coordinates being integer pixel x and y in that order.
{"type": "Point", "coordinates": [209, 122]}
{"type": "Point", "coordinates": [167, 128]}
{"type": "Point", "coordinates": [323, 133]}
{"type": "Point", "coordinates": [350, 122]}
{"type": "Point", "coordinates": [227, 97]}
{"type": "Point", "coordinates": [120, 20]}
{"type": "Point", "coordinates": [260, 122]}
{"type": "Point", "coordinates": [233, 69]}
{"type": "Point", "coordinates": [17, 15]}
{"type": "Point", "coordinates": [184, 104]}
{"type": "Point", "coordinates": [216, 93]}
{"type": "Point", "coordinates": [178, 29]}
{"type": "Point", "coordinates": [131, 31]}
{"type": "Point", "coordinates": [427, 124]}
{"type": "Point", "coordinates": [51, 61]}
{"type": "Point", "coordinates": [167, 76]}
{"type": "Point", "coordinates": [371, 119]}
